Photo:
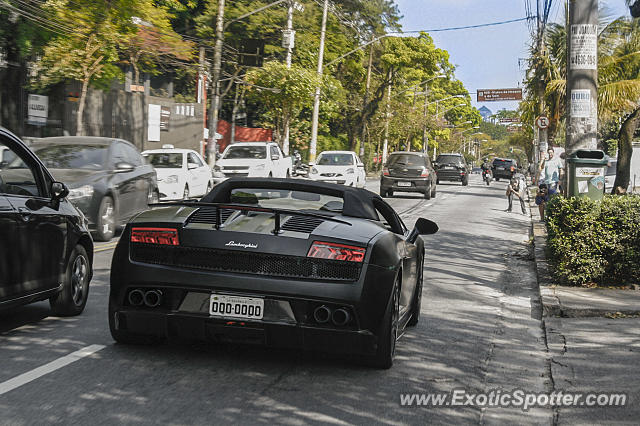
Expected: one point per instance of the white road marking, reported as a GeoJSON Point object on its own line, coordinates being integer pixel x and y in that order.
{"type": "Point", "coordinates": [36, 373]}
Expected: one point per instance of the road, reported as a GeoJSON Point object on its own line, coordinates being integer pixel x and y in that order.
{"type": "Point", "coordinates": [480, 329]}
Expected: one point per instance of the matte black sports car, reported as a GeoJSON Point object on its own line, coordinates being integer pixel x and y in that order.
{"type": "Point", "coordinates": [46, 250]}
{"type": "Point", "coordinates": [279, 262]}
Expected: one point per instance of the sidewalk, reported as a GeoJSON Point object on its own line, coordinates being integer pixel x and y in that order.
{"type": "Point", "coordinates": [575, 302]}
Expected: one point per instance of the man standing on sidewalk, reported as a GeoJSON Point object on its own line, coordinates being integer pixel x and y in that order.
{"type": "Point", "coordinates": [516, 189]}
{"type": "Point", "coordinates": [553, 171]}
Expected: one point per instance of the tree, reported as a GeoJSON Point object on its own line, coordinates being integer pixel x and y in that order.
{"type": "Point", "coordinates": [283, 91]}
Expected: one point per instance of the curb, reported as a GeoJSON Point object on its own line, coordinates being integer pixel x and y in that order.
{"type": "Point", "coordinates": [551, 305]}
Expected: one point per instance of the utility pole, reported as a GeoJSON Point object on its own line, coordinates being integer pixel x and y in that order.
{"type": "Point", "coordinates": [316, 98]}
{"type": "Point", "coordinates": [202, 94]}
{"type": "Point", "coordinates": [582, 75]}
{"type": "Point", "coordinates": [288, 42]}
{"type": "Point", "coordinates": [366, 101]}
{"type": "Point", "coordinates": [215, 86]}
{"type": "Point", "coordinates": [425, 140]}
{"type": "Point", "coordinates": [387, 114]}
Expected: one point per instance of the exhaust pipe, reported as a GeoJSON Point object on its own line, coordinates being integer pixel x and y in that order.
{"type": "Point", "coordinates": [136, 297]}
{"type": "Point", "coordinates": [340, 317]}
{"type": "Point", "coordinates": [322, 314]}
{"type": "Point", "coordinates": [152, 298]}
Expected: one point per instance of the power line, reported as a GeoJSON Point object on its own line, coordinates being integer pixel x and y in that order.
{"type": "Point", "coordinates": [467, 27]}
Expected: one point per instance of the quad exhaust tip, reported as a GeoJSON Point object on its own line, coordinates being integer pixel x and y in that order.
{"type": "Point", "coordinates": [152, 298]}
{"type": "Point", "coordinates": [340, 317]}
{"type": "Point", "coordinates": [322, 314]}
{"type": "Point", "coordinates": [136, 297]}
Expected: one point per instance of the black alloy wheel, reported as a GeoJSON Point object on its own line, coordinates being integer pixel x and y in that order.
{"type": "Point", "coordinates": [75, 288]}
{"type": "Point", "coordinates": [106, 221]}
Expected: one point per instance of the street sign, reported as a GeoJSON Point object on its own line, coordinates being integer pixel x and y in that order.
{"type": "Point", "coordinates": [491, 95]}
{"type": "Point", "coordinates": [542, 122]}
{"type": "Point", "coordinates": [509, 120]}
{"type": "Point", "coordinates": [38, 110]}
{"type": "Point", "coordinates": [288, 39]}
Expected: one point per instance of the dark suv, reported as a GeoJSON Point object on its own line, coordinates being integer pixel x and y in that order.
{"type": "Point", "coordinates": [503, 168]}
{"type": "Point", "coordinates": [408, 172]}
{"type": "Point", "coordinates": [452, 167]}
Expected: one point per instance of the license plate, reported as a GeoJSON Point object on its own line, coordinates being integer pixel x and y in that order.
{"type": "Point", "coordinates": [404, 183]}
{"type": "Point", "coordinates": [221, 305]}
{"type": "Point", "coordinates": [449, 167]}
{"type": "Point", "coordinates": [500, 168]}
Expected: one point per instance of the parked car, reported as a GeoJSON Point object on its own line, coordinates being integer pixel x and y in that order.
{"type": "Point", "coordinates": [452, 167]}
{"type": "Point", "coordinates": [108, 179]}
{"type": "Point", "coordinates": [252, 159]}
{"type": "Point", "coordinates": [182, 173]}
{"type": "Point", "coordinates": [504, 168]}
{"type": "Point", "coordinates": [634, 173]}
{"type": "Point", "coordinates": [285, 263]}
{"type": "Point", "coordinates": [408, 172]}
{"type": "Point", "coordinates": [341, 167]}
{"type": "Point", "coordinates": [46, 250]}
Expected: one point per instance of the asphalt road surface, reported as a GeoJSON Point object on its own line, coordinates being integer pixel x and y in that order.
{"type": "Point", "coordinates": [479, 330]}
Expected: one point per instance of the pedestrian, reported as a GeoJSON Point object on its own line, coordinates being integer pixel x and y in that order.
{"type": "Point", "coordinates": [515, 189]}
{"type": "Point", "coordinates": [553, 171]}
{"type": "Point", "coordinates": [542, 197]}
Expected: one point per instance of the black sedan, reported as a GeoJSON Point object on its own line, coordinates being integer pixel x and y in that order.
{"type": "Point", "coordinates": [408, 172]}
{"type": "Point", "coordinates": [278, 262]}
{"type": "Point", "coordinates": [46, 251]}
{"type": "Point", "coordinates": [108, 179]}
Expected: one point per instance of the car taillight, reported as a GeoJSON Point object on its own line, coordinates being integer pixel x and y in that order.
{"type": "Point", "coordinates": [512, 168]}
{"type": "Point", "coordinates": [335, 251]}
{"type": "Point", "coordinates": [165, 236]}
{"type": "Point", "coordinates": [425, 172]}
{"type": "Point", "coordinates": [385, 172]}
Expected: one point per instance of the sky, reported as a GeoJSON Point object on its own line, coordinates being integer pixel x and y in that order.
{"type": "Point", "coordinates": [486, 58]}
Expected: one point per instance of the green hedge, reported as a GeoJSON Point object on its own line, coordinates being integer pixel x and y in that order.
{"type": "Point", "coordinates": [594, 241]}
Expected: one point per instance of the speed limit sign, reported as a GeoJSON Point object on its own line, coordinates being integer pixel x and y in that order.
{"type": "Point", "coordinates": [542, 122]}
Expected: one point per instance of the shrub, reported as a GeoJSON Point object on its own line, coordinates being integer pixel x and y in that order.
{"type": "Point", "coordinates": [594, 241]}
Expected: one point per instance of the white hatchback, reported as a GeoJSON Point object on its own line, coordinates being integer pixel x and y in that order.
{"type": "Point", "coordinates": [182, 173]}
{"type": "Point", "coordinates": [341, 167]}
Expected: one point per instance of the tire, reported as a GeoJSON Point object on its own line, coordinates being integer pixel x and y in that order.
{"type": "Point", "coordinates": [288, 174]}
{"type": "Point", "coordinates": [433, 191]}
{"type": "Point", "coordinates": [417, 298]}
{"type": "Point", "coordinates": [497, 179]}
{"type": "Point", "coordinates": [389, 193]}
{"type": "Point", "coordinates": [209, 188]}
{"type": "Point", "coordinates": [75, 287]}
{"type": "Point", "coordinates": [270, 175]}
{"type": "Point", "coordinates": [125, 337]}
{"type": "Point", "coordinates": [427, 193]}
{"type": "Point", "coordinates": [106, 221]}
{"type": "Point", "coordinates": [388, 336]}
{"type": "Point", "coordinates": [185, 193]}
{"type": "Point", "coordinates": [383, 194]}
{"type": "Point", "coordinates": [437, 181]}
{"type": "Point", "coordinates": [465, 182]}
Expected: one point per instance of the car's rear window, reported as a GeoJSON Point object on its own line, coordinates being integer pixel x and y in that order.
{"type": "Point", "coordinates": [503, 163]}
{"type": "Point", "coordinates": [286, 199]}
{"type": "Point", "coordinates": [406, 160]}
{"type": "Point", "coordinates": [164, 160]}
{"type": "Point", "coordinates": [449, 159]}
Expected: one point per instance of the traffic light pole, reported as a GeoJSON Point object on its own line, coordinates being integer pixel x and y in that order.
{"type": "Point", "coordinates": [582, 75]}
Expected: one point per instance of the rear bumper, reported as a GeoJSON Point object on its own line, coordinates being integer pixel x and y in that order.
{"type": "Point", "coordinates": [503, 174]}
{"type": "Point", "coordinates": [284, 335]}
{"type": "Point", "coordinates": [452, 175]}
{"type": "Point", "coordinates": [390, 183]}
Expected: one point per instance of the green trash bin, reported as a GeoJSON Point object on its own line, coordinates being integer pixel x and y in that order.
{"type": "Point", "coordinates": [585, 173]}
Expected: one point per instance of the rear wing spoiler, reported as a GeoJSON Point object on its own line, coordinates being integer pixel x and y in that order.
{"type": "Point", "coordinates": [243, 207]}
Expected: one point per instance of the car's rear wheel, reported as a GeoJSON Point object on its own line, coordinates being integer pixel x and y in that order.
{"type": "Point", "coordinates": [389, 333]}
{"type": "Point", "coordinates": [383, 194]}
{"type": "Point", "coordinates": [288, 174]}
{"type": "Point", "coordinates": [433, 191]}
{"type": "Point", "coordinates": [417, 297]}
{"type": "Point", "coordinates": [497, 179]}
{"type": "Point", "coordinates": [427, 193]}
{"type": "Point", "coordinates": [106, 223]}
{"type": "Point", "coordinates": [465, 181]}
{"type": "Point", "coordinates": [75, 288]}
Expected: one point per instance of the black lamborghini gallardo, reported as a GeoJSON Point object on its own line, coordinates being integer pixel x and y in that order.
{"type": "Point", "coordinates": [279, 262]}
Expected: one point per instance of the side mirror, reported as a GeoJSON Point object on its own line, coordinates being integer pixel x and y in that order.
{"type": "Point", "coordinates": [423, 227]}
{"type": "Point", "coordinates": [192, 166]}
{"type": "Point", "coordinates": [275, 157]}
{"type": "Point", "coordinates": [124, 167]}
{"type": "Point", "coordinates": [58, 191]}
{"type": "Point", "coordinates": [361, 165]}
{"type": "Point", "coordinates": [218, 155]}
